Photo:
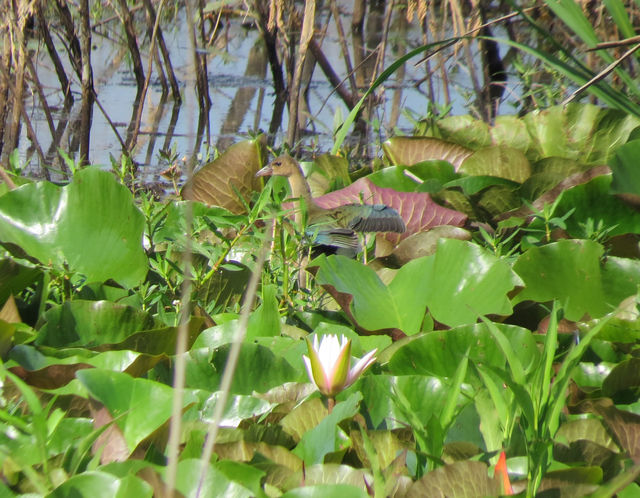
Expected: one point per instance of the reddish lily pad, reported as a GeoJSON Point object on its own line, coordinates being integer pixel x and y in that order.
{"type": "Point", "coordinates": [417, 209]}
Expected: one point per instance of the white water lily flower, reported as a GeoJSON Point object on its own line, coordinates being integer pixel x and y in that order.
{"type": "Point", "coordinates": [328, 364]}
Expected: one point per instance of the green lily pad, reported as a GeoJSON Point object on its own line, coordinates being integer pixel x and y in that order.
{"type": "Point", "coordinates": [90, 226]}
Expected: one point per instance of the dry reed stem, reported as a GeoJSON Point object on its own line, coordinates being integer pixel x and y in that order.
{"type": "Point", "coordinates": [173, 82]}
{"type": "Point", "coordinates": [232, 358]}
{"type": "Point", "coordinates": [306, 35]}
{"type": "Point", "coordinates": [345, 50]}
{"type": "Point", "coordinates": [131, 143]}
{"type": "Point", "coordinates": [175, 424]}
{"type": "Point", "coordinates": [602, 74]}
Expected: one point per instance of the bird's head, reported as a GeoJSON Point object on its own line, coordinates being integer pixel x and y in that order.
{"type": "Point", "coordinates": [284, 165]}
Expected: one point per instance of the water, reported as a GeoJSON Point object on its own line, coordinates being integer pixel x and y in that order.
{"type": "Point", "coordinates": [241, 92]}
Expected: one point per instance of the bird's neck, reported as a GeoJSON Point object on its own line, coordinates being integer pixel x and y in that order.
{"type": "Point", "coordinates": [300, 190]}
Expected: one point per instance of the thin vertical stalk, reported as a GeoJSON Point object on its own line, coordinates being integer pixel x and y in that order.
{"type": "Point", "coordinates": [294, 89]}
{"type": "Point", "coordinates": [5, 68]}
{"type": "Point", "coordinates": [43, 26]}
{"type": "Point", "coordinates": [132, 42]}
{"type": "Point", "coordinates": [171, 75]}
{"type": "Point", "coordinates": [232, 359]}
{"type": "Point", "coordinates": [131, 143]}
{"type": "Point", "coordinates": [18, 57]}
{"type": "Point", "coordinates": [86, 110]}
{"type": "Point", "coordinates": [179, 375]}
{"type": "Point", "coordinates": [345, 49]}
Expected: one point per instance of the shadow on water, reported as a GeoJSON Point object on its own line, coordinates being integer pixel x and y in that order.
{"type": "Point", "coordinates": [122, 83]}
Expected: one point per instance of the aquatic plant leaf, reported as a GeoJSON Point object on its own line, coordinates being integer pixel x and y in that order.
{"type": "Point", "coordinates": [90, 226]}
{"type": "Point", "coordinates": [624, 166]}
{"type": "Point", "coordinates": [14, 278]}
{"type": "Point", "coordinates": [91, 323]}
{"type": "Point", "coordinates": [439, 353]}
{"type": "Point", "coordinates": [501, 161]}
{"type": "Point", "coordinates": [425, 243]}
{"type": "Point", "coordinates": [373, 306]}
{"type": "Point", "coordinates": [458, 283]}
{"type": "Point", "coordinates": [101, 484]}
{"type": "Point", "coordinates": [232, 173]}
{"type": "Point", "coordinates": [595, 206]}
{"type": "Point", "coordinates": [215, 484]}
{"type": "Point", "coordinates": [326, 491]}
{"type": "Point", "coordinates": [417, 209]}
{"type": "Point", "coordinates": [426, 394]}
{"type": "Point", "coordinates": [465, 282]}
{"type": "Point", "coordinates": [576, 481]}
{"type": "Point", "coordinates": [584, 132]}
{"type": "Point", "coordinates": [327, 436]}
{"type": "Point", "coordinates": [138, 406]}
{"type": "Point", "coordinates": [571, 272]}
{"type": "Point", "coordinates": [328, 475]}
{"type": "Point", "coordinates": [259, 369]}
{"type": "Point", "coordinates": [465, 478]}
{"type": "Point", "coordinates": [407, 151]}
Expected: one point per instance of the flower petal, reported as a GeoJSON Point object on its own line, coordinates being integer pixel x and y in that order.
{"type": "Point", "coordinates": [318, 373]}
{"type": "Point", "coordinates": [360, 367]}
{"type": "Point", "coordinates": [339, 374]}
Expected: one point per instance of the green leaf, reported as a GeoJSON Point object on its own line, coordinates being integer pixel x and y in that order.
{"type": "Point", "coordinates": [239, 408]}
{"type": "Point", "coordinates": [426, 395]}
{"type": "Point", "coordinates": [139, 406]}
{"type": "Point", "coordinates": [438, 353]}
{"type": "Point", "coordinates": [215, 483]}
{"type": "Point", "coordinates": [569, 271]}
{"type": "Point", "coordinates": [464, 281]}
{"type": "Point", "coordinates": [101, 484]}
{"type": "Point", "coordinates": [457, 479]}
{"type": "Point", "coordinates": [326, 491]}
{"type": "Point", "coordinates": [499, 161]}
{"type": "Point", "coordinates": [258, 369]}
{"type": "Point", "coordinates": [91, 226]}
{"type": "Point", "coordinates": [374, 305]}
{"type": "Point", "coordinates": [594, 205]}
{"type": "Point", "coordinates": [624, 166]}
{"type": "Point", "coordinates": [228, 180]}
{"type": "Point", "coordinates": [265, 321]}
{"type": "Point", "coordinates": [90, 323]}
{"type": "Point", "coordinates": [327, 436]}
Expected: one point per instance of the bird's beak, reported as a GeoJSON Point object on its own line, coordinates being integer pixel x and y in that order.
{"type": "Point", "coordinates": [266, 171]}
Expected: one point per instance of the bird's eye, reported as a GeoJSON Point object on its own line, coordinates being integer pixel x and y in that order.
{"type": "Point", "coordinates": [278, 163]}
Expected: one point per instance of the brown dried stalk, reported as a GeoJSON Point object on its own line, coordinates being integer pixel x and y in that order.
{"type": "Point", "coordinates": [294, 89]}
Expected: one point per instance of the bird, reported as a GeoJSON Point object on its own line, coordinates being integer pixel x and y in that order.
{"type": "Point", "coordinates": [333, 230]}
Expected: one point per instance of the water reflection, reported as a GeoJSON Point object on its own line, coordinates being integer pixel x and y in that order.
{"type": "Point", "coordinates": [240, 87]}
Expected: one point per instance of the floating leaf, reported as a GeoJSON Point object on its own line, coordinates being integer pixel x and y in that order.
{"type": "Point", "coordinates": [626, 179]}
{"type": "Point", "coordinates": [215, 482]}
{"type": "Point", "coordinates": [465, 281]}
{"type": "Point", "coordinates": [417, 209]}
{"type": "Point", "coordinates": [500, 161]}
{"type": "Point", "coordinates": [138, 406]}
{"type": "Point", "coordinates": [90, 226]}
{"type": "Point", "coordinates": [406, 151]}
{"type": "Point", "coordinates": [570, 271]}
{"type": "Point", "coordinates": [102, 485]}
{"type": "Point", "coordinates": [327, 436]}
{"type": "Point", "coordinates": [372, 305]}
{"type": "Point", "coordinates": [258, 369]}
{"type": "Point", "coordinates": [425, 243]}
{"type": "Point", "coordinates": [91, 323]}
{"type": "Point", "coordinates": [230, 175]}
{"type": "Point", "coordinates": [457, 479]}
{"type": "Point", "coordinates": [439, 353]}
{"type": "Point", "coordinates": [14, 278]}
{"type": "Point", "coordinates": [326, 491]}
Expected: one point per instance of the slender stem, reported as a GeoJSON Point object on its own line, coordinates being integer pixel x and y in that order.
{"type": "Point", "coordinates": [232, 361]}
